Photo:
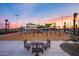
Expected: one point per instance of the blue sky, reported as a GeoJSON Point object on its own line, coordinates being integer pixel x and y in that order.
{"type": "Point", "coordinates": [35, 12]}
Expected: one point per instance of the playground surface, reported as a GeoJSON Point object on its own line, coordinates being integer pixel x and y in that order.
{"type": "Point", "coordinates": [36, 36]}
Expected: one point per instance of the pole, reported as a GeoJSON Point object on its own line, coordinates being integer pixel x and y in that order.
{"type": "Point", "coordinates": [62, 22]}
{"type": "Point", "coordinates": [59, 30]}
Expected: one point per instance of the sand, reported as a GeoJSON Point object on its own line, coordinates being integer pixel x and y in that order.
{"type": "Point", "coordinates": [36, 36]}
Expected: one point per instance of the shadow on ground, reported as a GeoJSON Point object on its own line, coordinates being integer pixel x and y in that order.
{"type": "Point", "coordinates": [70, 48]}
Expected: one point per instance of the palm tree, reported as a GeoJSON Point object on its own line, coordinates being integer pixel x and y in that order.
{"type": "Point", "coordinates": [64, 26]}
{"type": "Point", "coordinates": [74, 15]}
{"type": "Point", "coordinates": [78, 34]}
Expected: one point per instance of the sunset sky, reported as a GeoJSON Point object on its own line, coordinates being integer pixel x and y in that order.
{"type": "Point", "coordinates": [20, 14]}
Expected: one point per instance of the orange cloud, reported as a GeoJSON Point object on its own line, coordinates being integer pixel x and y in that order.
{"type": "Point", "coordinates": [60, 21]}
{"type": "Point", "coordinates": [13, 25]}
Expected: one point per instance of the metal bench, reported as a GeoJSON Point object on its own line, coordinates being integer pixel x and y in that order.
{"type": "Point", "coordinates": [37, 47]}
{"type": "Point", "coordinates": [27, 45]}
{"type": "Point", "coordinates": [37, 50]}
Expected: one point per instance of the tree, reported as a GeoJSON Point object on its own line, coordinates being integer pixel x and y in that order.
{"type": "Point", "coordinates": [74, 15]}
{"type": "Point", "coordinates": [48, 25]}
{"type": "Point", "coordinates": [40, 26]}
{"type": "Point", "coordinates": [78, 34]}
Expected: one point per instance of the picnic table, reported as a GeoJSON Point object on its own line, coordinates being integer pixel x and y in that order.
{"type": "Point", "coordinates": [36, 46]}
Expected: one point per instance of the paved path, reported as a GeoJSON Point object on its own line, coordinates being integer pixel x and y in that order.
{"type": "Point", "coordinates": [16, 48]}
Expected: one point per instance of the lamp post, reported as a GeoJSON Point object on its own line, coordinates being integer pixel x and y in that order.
{"type": "Point", "coordinates": [17, 19]}
{"type": "Point", "coordinates": [62, 22]}
{"type": "Point", "coordinates": [55, 27]}
{"type": "Point", "coordinates": [6, 24]}
{"type": "Point", "coordinates": [74, 27]}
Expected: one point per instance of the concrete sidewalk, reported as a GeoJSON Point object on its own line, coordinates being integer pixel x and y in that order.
{"type": "Point", "coordinates": [16, 48]}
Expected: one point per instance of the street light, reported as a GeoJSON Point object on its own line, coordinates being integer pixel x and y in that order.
{"type": "Point", "coordinates": [16, 19]}
{"type": "Point", "coordinates": [6, 24]}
